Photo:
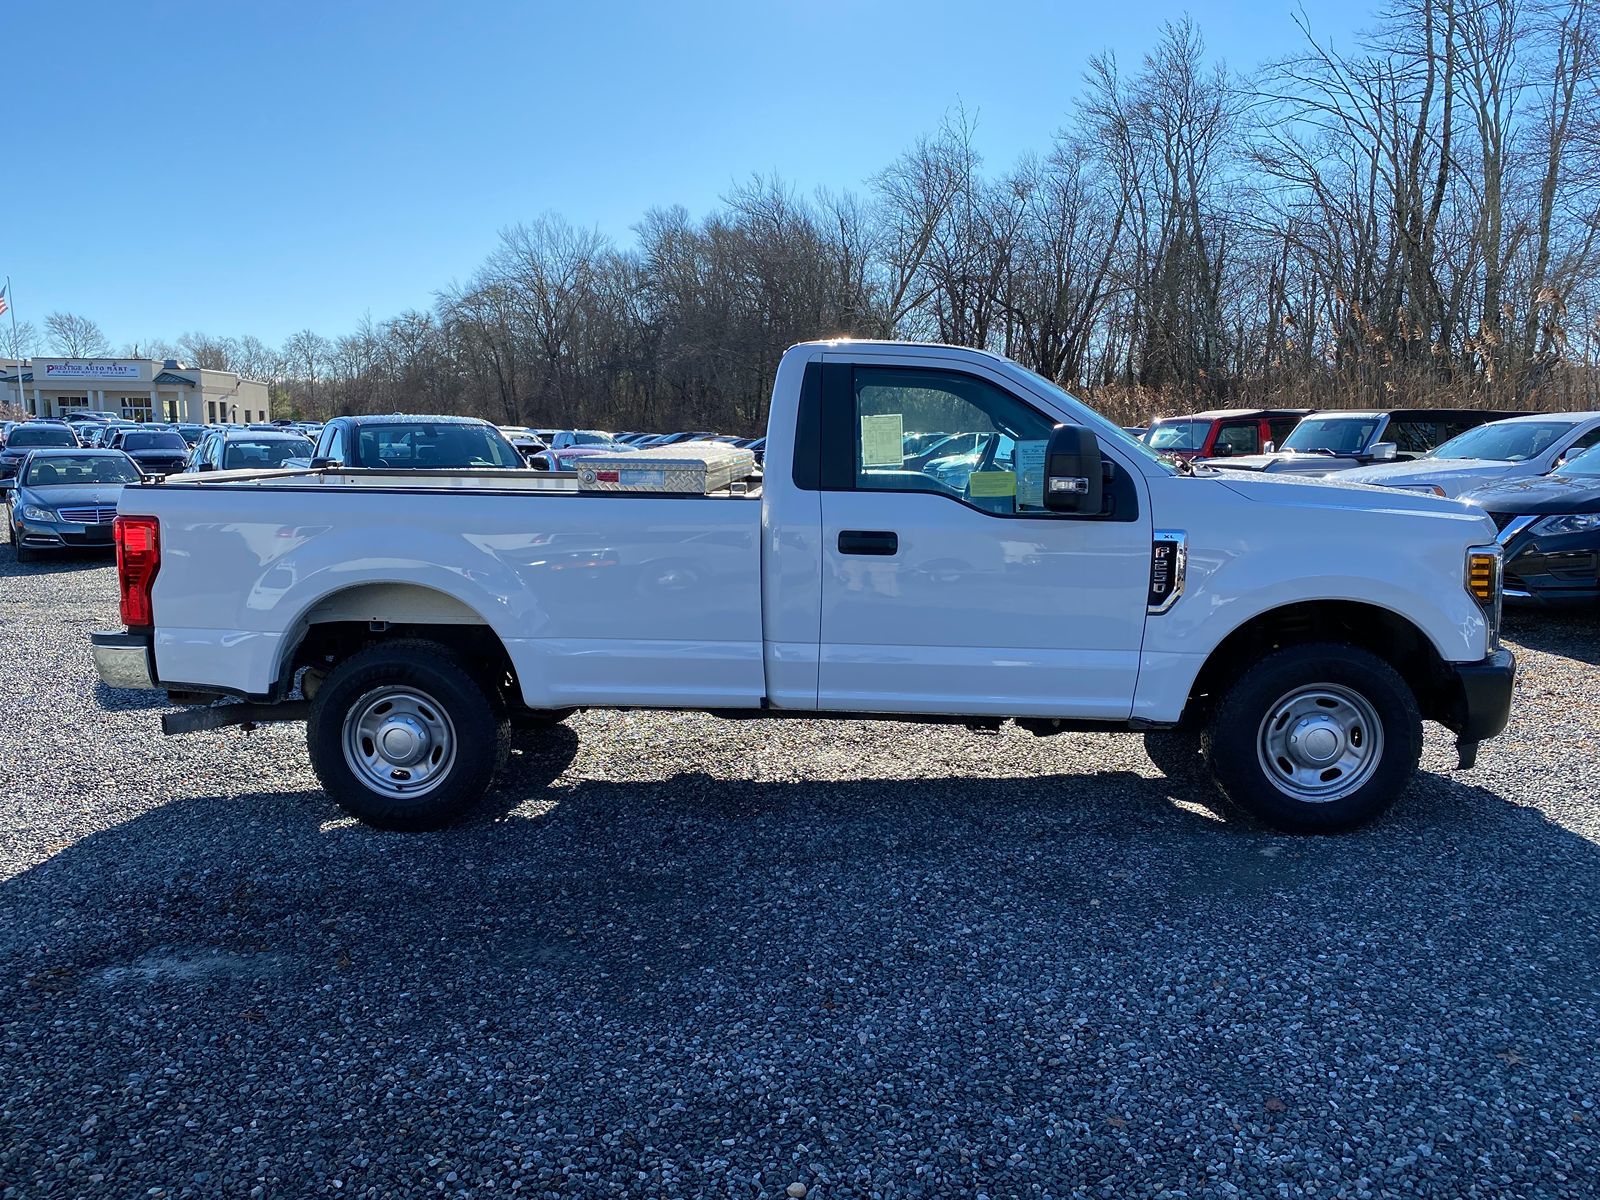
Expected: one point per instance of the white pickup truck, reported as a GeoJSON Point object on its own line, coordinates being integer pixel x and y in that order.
{"type": "Point", "coordinates": [940, 535]}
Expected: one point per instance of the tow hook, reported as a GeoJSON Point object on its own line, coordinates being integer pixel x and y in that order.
{"type": "Point", "coordinates": [1466, 754]}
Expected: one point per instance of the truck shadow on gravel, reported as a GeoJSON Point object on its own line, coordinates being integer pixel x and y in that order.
{"type": "Point", "coordinates": [52, 562]}
{"type": "Point", "coordinates": [905, 955]}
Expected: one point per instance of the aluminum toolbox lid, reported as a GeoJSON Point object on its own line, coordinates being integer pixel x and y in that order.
{"type": "Point", "coordinates": [688, 468]}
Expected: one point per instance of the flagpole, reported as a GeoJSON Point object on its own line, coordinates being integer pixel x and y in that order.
{"type": "Point", "coordinates": [11, 303]}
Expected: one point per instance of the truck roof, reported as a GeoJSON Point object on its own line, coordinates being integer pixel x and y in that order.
{"type": "Point", "coordinates": [391, 418]}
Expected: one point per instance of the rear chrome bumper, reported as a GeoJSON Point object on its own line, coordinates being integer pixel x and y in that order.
{"type": "Point", "coordinates": [123, 660]}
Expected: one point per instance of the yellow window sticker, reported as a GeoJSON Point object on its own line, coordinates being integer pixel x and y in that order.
{"type": "Point", "coordinates": [992, 483]}
{"type": "Point", "coordinates": [883, 440]}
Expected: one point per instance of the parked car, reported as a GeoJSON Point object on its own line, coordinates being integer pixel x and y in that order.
{"type": "Point", "coordinates": [65, 498]}
{"type": "Point", "coordinates": [157, 451]}
{"type": "Point", "coordinates": [1308, 629]}
{"type": "Point", "coordinates": [246, 449]}
{"type": "Point", "coordinates": [673, 439]}
{"type": "Point", "coordinates": [414, 443]}
{"type": "Point", "coordinates": [1550, 530]}
{"type": "Point", "coordinates": [1518, 447]}
{"type": "Point", "coordinates": [191, 433]}
{"type": "Point", "coordinates": [33, 435]}
{"type": "Point", "coordinates": [1325, 442]}
{"type": "Point", "coordinates": [567, 459]}
{"type": "Point", "coordinates": [569, 438]}
{"type": "Point", "coordinates": [527, 442]}
{"type": "Point", "coordinates": [1223, 433]}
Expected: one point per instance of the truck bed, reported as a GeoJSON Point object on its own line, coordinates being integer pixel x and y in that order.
{"type": "Point", "coordinates": [395, 479]}
{"type": "Point", "coordinates": [599, 598]}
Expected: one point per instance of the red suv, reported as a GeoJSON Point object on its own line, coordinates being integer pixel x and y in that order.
{"type": "Point", "coordinates": [1223, 433]}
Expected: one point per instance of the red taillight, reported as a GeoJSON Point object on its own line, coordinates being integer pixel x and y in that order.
{"type": "Point", "coordinates": [138, 542]}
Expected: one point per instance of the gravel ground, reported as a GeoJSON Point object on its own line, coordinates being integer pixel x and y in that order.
{"type": "Point", "coordinates": [676, 956]}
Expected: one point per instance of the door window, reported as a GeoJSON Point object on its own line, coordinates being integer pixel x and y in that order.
{"type": "Point", "coordinates": [949, 434]}
{"type": "Point", "coordinates": [1282, 428]}
{"type": "Point", "coordinates": [1238, 437]}
{"type": "Point", "coordinates": [333, 444]}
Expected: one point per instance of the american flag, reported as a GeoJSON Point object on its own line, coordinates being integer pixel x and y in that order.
{"type": "Point", "coordinates": [4, 303]}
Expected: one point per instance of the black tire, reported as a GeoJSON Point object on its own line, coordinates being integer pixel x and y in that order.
{"type": "Point", "coordinates": [1177, 754]}
{"type": "Point", "coordinates": [1234, 740]}
{"type": "Point", "coordinates": [477, 734]}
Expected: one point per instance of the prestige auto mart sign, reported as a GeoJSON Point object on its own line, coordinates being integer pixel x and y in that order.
{"type": "Point", "coordinates": [91, 370]}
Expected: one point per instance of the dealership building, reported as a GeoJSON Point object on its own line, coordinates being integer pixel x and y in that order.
{"type": "Point", "coordinates": [139, 389]}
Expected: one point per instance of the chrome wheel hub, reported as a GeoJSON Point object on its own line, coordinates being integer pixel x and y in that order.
{"type": "Point", "coordinates": [1320, 743]}
{"type": "Point", "coordinates": [399, 741]}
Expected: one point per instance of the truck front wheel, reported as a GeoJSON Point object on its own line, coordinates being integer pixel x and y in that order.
{"type": "Point", "coordinates": [1315, 738]}
{"type": "Point", "coordinates": [403, 737]}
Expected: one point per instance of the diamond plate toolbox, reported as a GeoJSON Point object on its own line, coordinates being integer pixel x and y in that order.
{"type": "Point", "coordinates": [687, 469]}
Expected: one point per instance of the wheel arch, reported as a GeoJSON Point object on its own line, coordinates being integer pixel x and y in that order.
{"type": "Point", "coordinates": [346, 620]}
{"type": "Point", "coordinates": [1381, 631]}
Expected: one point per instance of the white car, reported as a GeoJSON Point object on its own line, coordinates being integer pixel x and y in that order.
{"type": "Point", "coordinates": [1076, 582]}
{"type": "Point", "coordinates": [1514, 448]}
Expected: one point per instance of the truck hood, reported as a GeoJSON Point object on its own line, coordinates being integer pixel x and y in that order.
{"type": "Point", "coordinates": [1298, 491]}
{"type": "Point", "coordinates": [1454, 475]}
{"type": "Point", "coordinates": [1539, 494]}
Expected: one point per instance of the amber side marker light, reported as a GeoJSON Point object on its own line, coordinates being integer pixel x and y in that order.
{"type": "Point", "coordinates": [1483, 575]}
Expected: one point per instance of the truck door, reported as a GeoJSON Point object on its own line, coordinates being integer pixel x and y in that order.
{"type": "Point", "coordinates": [946, 585]}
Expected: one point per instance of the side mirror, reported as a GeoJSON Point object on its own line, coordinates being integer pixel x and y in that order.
{"type": "Point", "coordinates": [1221, 450]}
{"type": "Point", "coordinates": [1384, 452]}
{"type": "Point", "coordinates": [1270, 448]}
{"type": "Point", "coordinates": [205, 466]}
{"type": "Point", "coordinates": [322, 464]}
{"type": "Point", "coordinates": [1072, 479]}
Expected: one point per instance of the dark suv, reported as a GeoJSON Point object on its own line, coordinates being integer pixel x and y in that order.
{"type": "Point", "coordinates": [33, 435]}
{"type": "Point", "coordinates": [414, 443]}
{"type": "Point", "coordinates": [157, 451]}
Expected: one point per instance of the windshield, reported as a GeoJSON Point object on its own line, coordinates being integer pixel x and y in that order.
{"type": "Point", "coordinates": [1180, 434]}
{"type": "Point", "coordinates": [588, 437]}
{"type": "Point", "coordinates": [1341, 435]}
{"type": "Point", "coordinates": [1505, 441]}
{"type": "Point", "coordinates": [437, 447]}
{"type": "Point", "coordinates": [59, 470]}
{"type": "Point", "coordinates": [42, 435]}
{"type": "Point", "coordinates": [264, 452]}
{"type": "Point", "coordinates": [154, 441]}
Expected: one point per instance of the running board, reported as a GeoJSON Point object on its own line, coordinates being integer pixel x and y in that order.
{"type": "Point", "coordinates": [221, 716]}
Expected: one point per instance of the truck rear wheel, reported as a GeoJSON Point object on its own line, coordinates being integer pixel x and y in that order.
{"type": "Point", "coordinates": [403, 737]}
{"type": "Point", "coordinates": [1315, 738]}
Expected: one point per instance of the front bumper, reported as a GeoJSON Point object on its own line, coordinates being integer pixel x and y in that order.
{"type": "Point", "coordinates": [62, 535]}
{"type": "Point", "coordinates": [124, 660]}
{"type": "Point", "coordinates": [1479, 696]}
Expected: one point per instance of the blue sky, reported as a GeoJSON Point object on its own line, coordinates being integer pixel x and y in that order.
{"type": "Point", "coordinates": [265, 167]}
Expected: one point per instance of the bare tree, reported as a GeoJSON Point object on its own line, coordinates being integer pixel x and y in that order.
{"type": "Point", "coordinates": [75, 337]}
{"type": "Point", "coordinates": [18, 342]}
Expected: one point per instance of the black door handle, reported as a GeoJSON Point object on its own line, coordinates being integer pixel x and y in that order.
{"type": "Point", "coordinates": [868, 541]}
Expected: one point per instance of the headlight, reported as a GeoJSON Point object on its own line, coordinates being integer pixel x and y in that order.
{"type": "Point", "coordinates": [31, 512]}
{"type": "Point", "coordinates": [1568, 523]}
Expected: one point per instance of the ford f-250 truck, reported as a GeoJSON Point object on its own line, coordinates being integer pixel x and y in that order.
{"type": "Point", "coordinates": [1284, 638]}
